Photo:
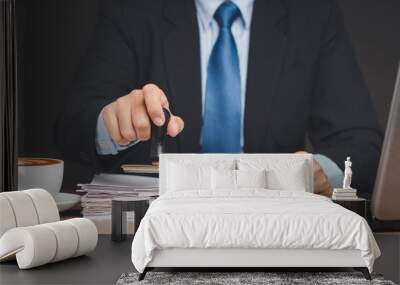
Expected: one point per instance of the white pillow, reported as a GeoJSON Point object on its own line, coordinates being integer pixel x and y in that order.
{"type": "Point", "coordinates": [182, 177]}
{"type": "Point", "coordinates": [223, 179]}
{"type": "Point", "coordinates": [251, 178]}
{"type": "Point", "coordinates": [290, 174]}
{"type": "Point", "coordinates": [236, 179]}
{"type": "Point", "coordinates": [186, 174]}
{"type": "Point", "coordinates": [291, 180]}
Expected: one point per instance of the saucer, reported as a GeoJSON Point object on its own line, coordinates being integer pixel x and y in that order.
{"type": "Point", "coordinates": [66, 201]}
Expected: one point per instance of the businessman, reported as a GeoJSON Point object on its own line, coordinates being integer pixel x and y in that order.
{"type": "Point", "coordinates": [239, 76]}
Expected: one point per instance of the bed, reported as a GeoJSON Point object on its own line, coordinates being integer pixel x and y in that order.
{"type": "Point", "coordinates": [247, 210]}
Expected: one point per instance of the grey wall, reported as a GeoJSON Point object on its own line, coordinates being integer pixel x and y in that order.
{"type": "Point", "coordinates": [55, 33]}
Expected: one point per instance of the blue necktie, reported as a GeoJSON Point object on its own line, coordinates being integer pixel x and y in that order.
{"type": "Point", "coordinates": [222, 111]}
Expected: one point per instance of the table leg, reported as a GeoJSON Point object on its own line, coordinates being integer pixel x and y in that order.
{"type": "Point", "coordinates": [140, 211]}
{"type": "Point", "coordinates": [116, 221]}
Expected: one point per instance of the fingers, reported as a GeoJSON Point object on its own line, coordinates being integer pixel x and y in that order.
{"type": "Point", "coordinates": [321, 182]}
{"type": "Point", "coordinates": [111, 124]}
{"type": "Point", "coordinates": [140, 118]}
{"type": "Point", "coordinates": [129, 117]}
{"type": "Point", "coordinates": [125, 119]}
{"type": "Point", "coordinates": [322, 187]}
{"type": "Point", "coordinates": [154, 99]}
{"type": "Point", "coordinates": [175, 126]}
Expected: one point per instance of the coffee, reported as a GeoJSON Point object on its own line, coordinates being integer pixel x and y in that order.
{"type": "Point", "coordinates": [38, 172]}
{"type": "Point", "coordinates": [30, 161]}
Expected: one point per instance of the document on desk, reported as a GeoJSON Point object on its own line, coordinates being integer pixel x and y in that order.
{"type": "Point", "coordinates": [105, 187]}
{"type": "Point", "coordinates": [122, 182]}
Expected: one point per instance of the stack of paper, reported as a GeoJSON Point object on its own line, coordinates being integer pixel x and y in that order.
{"type": "Point", "coordinates": [96, 203]}
{"type": "Point", "coordinates": [344, 194]}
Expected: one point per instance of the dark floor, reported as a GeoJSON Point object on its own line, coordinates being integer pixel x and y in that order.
{"type": "Point", "coordinates": [102, 266]}
{"type": "Point", "coordinates": [105, 265]}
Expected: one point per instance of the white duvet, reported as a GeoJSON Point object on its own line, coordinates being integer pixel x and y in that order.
{"type": "Point", "coordinates": [250, 219]}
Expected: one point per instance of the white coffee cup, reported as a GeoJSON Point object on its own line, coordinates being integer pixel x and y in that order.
{"type": "Point", "coordinates": [46, 173]}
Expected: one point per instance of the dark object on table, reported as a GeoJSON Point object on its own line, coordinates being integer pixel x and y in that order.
{"type": "Point", "coordinates": [158, 135]}
{"type": "Point", "coordinates": [120, 205]}
{"type": "Point", "coordinates": [157, 141]}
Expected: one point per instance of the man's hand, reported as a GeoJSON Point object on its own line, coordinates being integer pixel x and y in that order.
{"type": "Point", "coordinates": [321, 182]}
{"type": "Point", "coordinates": [128, 118]}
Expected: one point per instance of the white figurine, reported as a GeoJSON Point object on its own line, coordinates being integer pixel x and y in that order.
{"type": "Point", "coordinates": [348, 173]}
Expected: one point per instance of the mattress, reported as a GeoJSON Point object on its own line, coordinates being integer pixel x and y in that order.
{"type": "Point", "coordinates": [252, 219]}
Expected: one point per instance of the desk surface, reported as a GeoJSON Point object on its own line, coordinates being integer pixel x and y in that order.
{"type": "Point", "coordinates": [102, 266]}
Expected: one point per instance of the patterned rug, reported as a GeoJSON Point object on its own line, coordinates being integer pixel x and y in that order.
{"type": "Point", "coordinates": [243, 278]}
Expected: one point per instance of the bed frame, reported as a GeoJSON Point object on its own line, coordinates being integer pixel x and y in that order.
{"type": "Point", "coordinates": [256, 258]}
{"type": "Point", "coordinates": [246, 258]}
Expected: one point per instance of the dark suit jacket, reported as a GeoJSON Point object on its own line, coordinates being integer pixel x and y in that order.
{"type": "Point", "coordinates": [303, 80]}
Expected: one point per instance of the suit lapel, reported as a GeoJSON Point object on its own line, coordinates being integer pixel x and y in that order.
{"type": "Point", "coordinates": [266, 54]}
{"type": "Point", "coordinates": [182, 59]}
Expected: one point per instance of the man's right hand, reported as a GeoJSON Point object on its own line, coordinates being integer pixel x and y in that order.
{"type": "Point", "coordinates": [128, 118]}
